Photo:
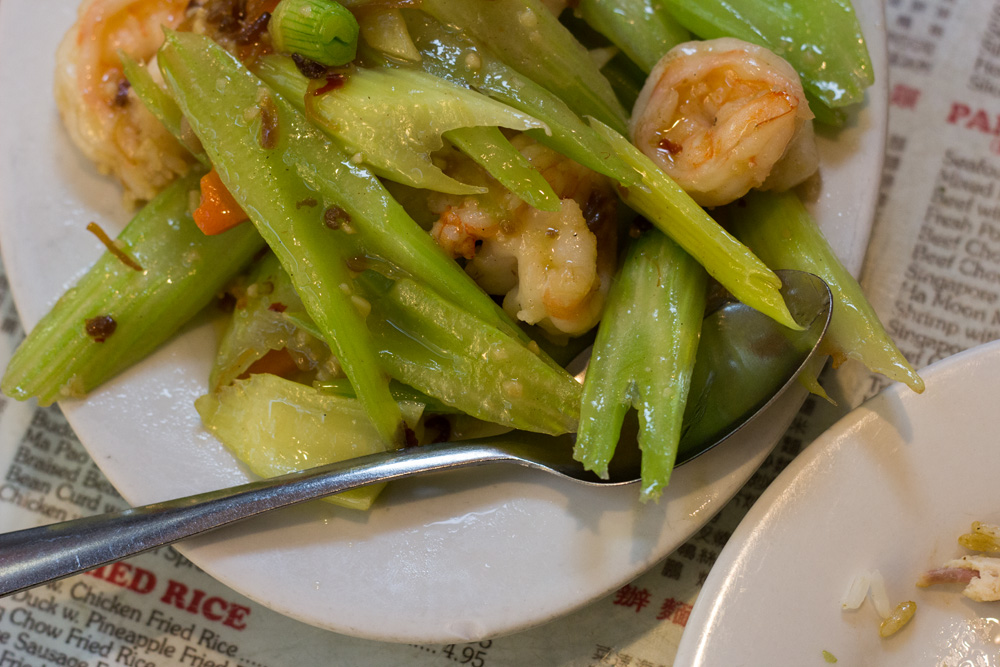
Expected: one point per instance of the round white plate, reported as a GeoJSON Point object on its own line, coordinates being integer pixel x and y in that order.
{"type": "Point", "coordinates": [890, 488]}
{"type": "Point", "coordinates": [444, 559]}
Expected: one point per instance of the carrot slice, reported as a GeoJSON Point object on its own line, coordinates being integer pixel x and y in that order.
{"type": "Point", "coordinates": [218, 210]}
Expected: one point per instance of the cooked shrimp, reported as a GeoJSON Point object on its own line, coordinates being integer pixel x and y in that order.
{"type": "Point", "coordinates": [723, 116]}
{"type": "Point", "coordinates": [103, 117]}
{"type": "Point", "coordinates": [554, 268]}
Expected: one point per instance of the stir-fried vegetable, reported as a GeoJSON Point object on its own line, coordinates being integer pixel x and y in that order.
{"type": "Point", "coordinates": [530, 39]}
{"type": "Point", "coordinates": [445, 53]}
{"type": "Point", "coordinates": [160, 104]}
{"type": "Point", "coordinates": [118, 314]}
{"type": "Point", "coordinates": [643, 358]}
{"type": "Point", "coordinates": [318, 250]}
{"type": "Point", "coordinates": [490, 149]}
{"type": "Point", "coordinates": [780, 230]}
{"type": "Point", "coordinates": [430, 99]}
{"type": "Point", "coordinates": [323, 31]}
{"type": "Point", "coordinates": [312, 241]}
{"type": "Point", "coordinates": [674, 212]}
{"type": "Point", "coordinates": [218, 211]}
{"type": "Point", "coordinates": [642, 29]}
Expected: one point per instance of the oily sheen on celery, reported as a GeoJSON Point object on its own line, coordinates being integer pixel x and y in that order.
{"type": "Point", "coordinates": [376, 221]}
{"type": "Point", "coordinates": [445, 53]}
{"type": "Point", "coordinates": [642, 30]}
{"type": "Point", "coordinates": [369, 105]}
{"type": "Point", "coordinates": [643, 358]}
{"type": "Point", "coordinates": [489, 148]}
{"type": "Point", "coordinates": [160, 104]}
{"type": "Point", "coordinates": [429, 343]}
{"type": "Point", "coordinates": [276, 426]}
{"type": "Point", "coordinates": [820, 38]}
{"type": "Point", "coordinates": [424, 341]}
{"type": "Point", "coordinates": [530, 39]}
{"type": "Point", "coordinates": [275, 196]}
{"type": "Point", "coordinates": [180, 271]}
{"type": "Point", "coordinates": [782, 232]}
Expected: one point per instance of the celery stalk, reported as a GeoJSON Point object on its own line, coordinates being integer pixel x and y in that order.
{"type": "Point", "coordinates": [182, 271]}
{"type": "Point", "coordinates": [218, 97]}
{"type": "Point", "coordinates": [429, 343]}
{"type": "Point", "coordinates": [372, 104]}
{"type": "Point", "coordinates": [780, 230]}
{"type": "Point", "coordinates": [529, 38]}
{"type": "Point", "coordinates": [276, 426]}
{"type": "Point", "coordinates": [674, 213]}
{"type": "Point", "coordinates": [461, 59]}
{"type": "Point", "coordinates": [435, 346]}
{"type": "Point", "coordinates": [640, 28]}
{"type": "Point", "coordinates": [643, 358]}
{"type": "Point", "coordinates": [383, 227]}
{"type": "Point", "coordinates": [400, 392]}
{"type": "Point", "coordinates": [490, 149]}
{"type": "Point", "coordinates": [258, 325]}
{"type": "Point", "coordinates": [159, 104]}
{"type": "Point", "coordinates": [821, 39]}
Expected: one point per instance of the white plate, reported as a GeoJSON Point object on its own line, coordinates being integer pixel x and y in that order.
{"type": "Point", "coordinates": [890, 487]}
{"type": "Point", "coordinates": [441, 560]}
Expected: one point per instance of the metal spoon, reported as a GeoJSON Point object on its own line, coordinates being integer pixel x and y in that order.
{"type": "Point", "coordinates": [745, 342]}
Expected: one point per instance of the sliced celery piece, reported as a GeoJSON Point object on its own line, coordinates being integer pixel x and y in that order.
{"type": "Point", "coordinates": [182, 271]}
{"type": "Point", "coordinates": [459, 58]}
{"type": "Point", "coordinates": [383, 227]}
{"type": "Point", "coordinates": [820, 38]}
{"type": "Point", "coordinates": [219, 97]}
{"type": "Point", "coordinates": [413, 107]}
{"type": "Point", "coordinates": [159, 104]}
{"type": "Point", "coordinates": [429, 343]}
{"type": "Point", "coordinates": [259, 325]}
{"type": "Point", "coordinates": [490, 149]}
{"type": "Point", "coordinates": [780, 230]}
{"type": "Point", "coordinates": [640, 28]}
{"type": "Point", "coordinates": [643, 358]}
{"type": "Point", "coordinates": [529, 38]}
{"type": "Point", "coordinates": [399, 391]}
{"type": "Point", "coordinates": [276, 426]}
{"type": "Point", "coordinates": [384, 30]}
{"type": "Point", "coordinates": [625, 77]}
{"type": "Point", "coordinates": [674, 213]}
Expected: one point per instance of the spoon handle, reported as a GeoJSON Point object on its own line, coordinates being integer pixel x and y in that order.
{"type": "Point", "coordinates": [36, 556]}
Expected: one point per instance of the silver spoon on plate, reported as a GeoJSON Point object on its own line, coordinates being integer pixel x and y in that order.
{"type": "Point", "coordinates": [745, 362]}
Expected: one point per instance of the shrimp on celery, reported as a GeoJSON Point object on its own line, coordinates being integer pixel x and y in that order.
{"type": "Point", "coordinates": [553, 268]}
{"type": "Point", "coordinates": [103, 117]}
{"type": "Point", "coordinates": [722, 117]}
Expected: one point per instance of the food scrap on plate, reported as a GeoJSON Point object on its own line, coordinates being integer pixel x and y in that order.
{"type": "Point", "coordinates": [979, 573]}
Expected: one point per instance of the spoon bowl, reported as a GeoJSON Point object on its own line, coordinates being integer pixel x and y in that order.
{"type": "Point", "coordinates": [745, 344]}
